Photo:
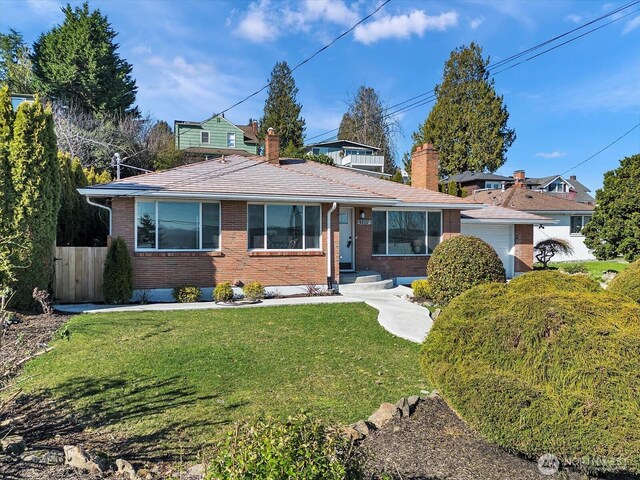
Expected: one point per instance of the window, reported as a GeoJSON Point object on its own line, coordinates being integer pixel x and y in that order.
{"type": "Point", "coordinates": [557, 186]}
{"type": "Point", "coordinates": [204, 137]}
{"type": "Point", "coordinates": [578, 222]}
{"type": "Point", "coordinates": [177, 225]}
{"type": "Point", "coordinates": [492, 185]}
{"type": "Point", "coordinates": [284, 227]}
{"type": "Point", "coordinates": [400, 232]}
{"type": "Point", "coordinates": [231, 140]}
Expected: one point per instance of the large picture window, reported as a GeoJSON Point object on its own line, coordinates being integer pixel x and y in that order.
{"type": "Point", "coordinates": [403, 232]}
{"type": "Point", "coordinates": [284, 227]}
{"type": "Point", "coordinates": [167, 225]}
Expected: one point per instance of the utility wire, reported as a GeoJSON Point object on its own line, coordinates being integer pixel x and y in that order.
{"type": "Point", "coordinates": [328, 45]}
{"type": "Point", "coordinates": [431, 94]}
{"type": "Point", "coordinates": [602, 150]}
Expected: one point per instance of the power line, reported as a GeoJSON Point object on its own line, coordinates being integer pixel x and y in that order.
{"type": "Point", "coordinates": [602, 150]}
{"type": "Point", "coordinates": [328, 45]}
{"type": "Point", "coordinates": [431, 93]}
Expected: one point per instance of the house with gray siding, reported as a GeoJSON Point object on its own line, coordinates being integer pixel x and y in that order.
{"type": "Point", "coordinates": [216, 136]}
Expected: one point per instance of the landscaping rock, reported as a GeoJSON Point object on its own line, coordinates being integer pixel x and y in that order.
{"type": "Point", "coordinates": [196, 471]}
{"type": "Point", "coordinates": [126, 470]}
{"type": "Point", "coordinates": [77, 457]}
{"type": "Point", "coordinates": [413, 402]}
{"type": "Point", "coordinates": [403, 407]}
{"type": "Point", "coordinates": [364, 427]}
{"type": "Point", "coordinates": [13, 444]}
{"type": "Point", "coordinates": [436, 313]}
{"type": "Point", "coordinates": [609, 275]}
{"type": "Point", "coordinates": [145, 474]}
{"type": "Point", "coordinates": [43, 457]}
{"type": "Point", "coordinates": [383, 415]}
{"type": "Point", "coordinates": [352, 434]}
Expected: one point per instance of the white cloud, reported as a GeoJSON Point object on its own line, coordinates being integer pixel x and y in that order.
{"type": "Point", "coordinates": [575, 18]}
{"type": "Point", "coordinates": [551, 154]}
{"type": "Point", "coordinates": [256, 26]}
{"type": "Point", "coordinates": [404, 26]}
{"type": "Point", "coordinates": [333, 11]}
{"type": "Point", "coordinates": [49, 9]}
{"type": "Point", "coordinates": [631, 25]}
{"type": "Point", "coordinates": [474, 23]}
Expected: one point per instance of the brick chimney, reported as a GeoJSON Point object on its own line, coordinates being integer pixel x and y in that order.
{"type": "Point", "coordinates": [424, 167]}
{"type": "Point", "coordinates": [572, 177]}
{"type": "Point", "coordinates": [519, 178]}
{"type": "Point", "coordinates": [254, 127]}
{"type": "Point", "coordinates": [272, 146]}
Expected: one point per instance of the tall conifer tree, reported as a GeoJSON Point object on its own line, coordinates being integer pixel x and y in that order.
{"type": "Point", "coordinates": [468, 123]}
{"type": "Point", "coordinates": [281, 110]}
{"type": "Point", "coordinates": [6, 187]}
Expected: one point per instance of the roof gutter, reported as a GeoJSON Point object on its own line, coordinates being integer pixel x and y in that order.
{"type": "Point", "coordinates": [509, 221]}
{"type": "Point", "coordinates": [91, 202]}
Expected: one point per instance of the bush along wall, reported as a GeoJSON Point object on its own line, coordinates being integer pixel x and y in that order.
{"type": "Point", "coordinates": [546, 364]}
{"type": "Point", "coordinates": [117, 284]}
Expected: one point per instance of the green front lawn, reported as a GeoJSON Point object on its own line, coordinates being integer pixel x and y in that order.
{"type": "Point", "coordinates": [595, 268]}
{"type": "Point", "coordinates": [178, 379]}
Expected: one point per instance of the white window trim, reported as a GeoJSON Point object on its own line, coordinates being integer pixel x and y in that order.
{"type": "Point", "coordinates": [208, 136]}
{"type": "Point", "coordinates": [579, 234]}
{"type": "Point", "coordinates": [426, 238]}
{"type": "Point", "coordinates": [157, 249]}
{"type": "Point", "coordinates": [234, 139]}
{"type": "Point", "coordinates": [494, 183]}
{"type": "Point", "coordinates": [304, 224]}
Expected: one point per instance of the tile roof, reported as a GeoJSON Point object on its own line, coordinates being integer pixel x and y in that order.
{"type": "Point", "coordinates": [527, 200]}
{"type": "Point", "coordinates": [240, 177]}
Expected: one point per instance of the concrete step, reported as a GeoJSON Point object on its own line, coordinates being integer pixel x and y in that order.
{"type": "Point", "coordinates": [360, 277]}
{"type": "Point", "coordinates": [366, 287]}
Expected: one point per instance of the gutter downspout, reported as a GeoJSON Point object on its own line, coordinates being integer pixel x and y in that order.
{"type": "Point", "coordinates": [329, 248]}
{"type": "Point", "coordinates": [91, 202]}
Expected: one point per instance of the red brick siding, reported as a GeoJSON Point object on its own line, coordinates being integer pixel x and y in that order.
{"type": "Point", "coordinates": [523, 261]}
{"type": "Point", "coordinates": [397, 266]}
{"type": "Point", "coordinates": [233, 262]}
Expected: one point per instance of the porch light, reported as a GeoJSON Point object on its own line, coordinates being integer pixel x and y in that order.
{"type": "Point", "coordinates": [362, 214]}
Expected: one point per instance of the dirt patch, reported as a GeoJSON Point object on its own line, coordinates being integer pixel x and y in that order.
{"type": "Point", "coordinates": [434, 444]}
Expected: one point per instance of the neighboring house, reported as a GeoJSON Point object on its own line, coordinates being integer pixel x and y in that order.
{"type": "Point", "coordinates": [292, 222]}
{"type": "Point", "coordinates": [216, 136]}
{"type": "Point", "coordinates": [346, 153]}
{"type": "Point", "coordinates": [18, 98]}
{"type": "Point", "coordinates": [569, 188]}
{"type": "Point", "coordinates": [570, 215]}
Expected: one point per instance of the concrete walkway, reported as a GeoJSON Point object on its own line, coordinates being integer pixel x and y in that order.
{"type": "Point", "coordinates": [399, 317]}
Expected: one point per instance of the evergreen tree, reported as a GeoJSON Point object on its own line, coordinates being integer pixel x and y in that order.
{"type": "Point", "coordinates": [281, 111]}
{"type": "Point", "coordinates": [78, 62]}
{"type": "Point", "coordinates": [468, 123]}
{"type": "Point", "coordinates": [365, 122]}
{"type": "Point", "coordinates": [614, 228]}
{"type": "Point", "coordinates": [117, 284]}
{"type": "Point", "coordinates": [15, 63]}
{"type": "Point", "coordinates": [35, 176]}
{"type": "Point", "coordinates": [6, 187]}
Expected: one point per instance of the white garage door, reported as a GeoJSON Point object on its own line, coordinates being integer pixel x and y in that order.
{"type": "Point", "coordinates": [500, 237]}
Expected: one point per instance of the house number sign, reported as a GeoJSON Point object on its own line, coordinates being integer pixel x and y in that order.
{"type": "Point", "coordinates": [364, 221]}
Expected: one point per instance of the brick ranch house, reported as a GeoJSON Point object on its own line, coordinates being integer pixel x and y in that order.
{"type": "Point", "coordinates": [291, 222]}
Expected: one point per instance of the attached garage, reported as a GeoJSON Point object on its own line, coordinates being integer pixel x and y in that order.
{"type": "Point", "coordinates": [500, 237]}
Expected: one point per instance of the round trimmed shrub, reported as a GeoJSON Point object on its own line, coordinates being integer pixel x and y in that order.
{"type": "Point", "coordinates": [298, 449]}
{"type": "Point", "coordinates": [253, 291]}
{"type": "Point", "coordinates": [186, 294]}
{"type": "Point", "coordinates": [459, 263]}
{"type": "Point", "coordinates": [421, 290]}
{"type": "Point", "coordinates": [627, 282]}
{"type": "Point", "coordinates": [117, 283]}
{"type": "Point", "coordinates": [545, 364]}
{"type": "Point", "coordinates": [223, 292]}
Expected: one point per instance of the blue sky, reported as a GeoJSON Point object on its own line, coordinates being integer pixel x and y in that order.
{"type": "Point", "coordinates": [194, 58]}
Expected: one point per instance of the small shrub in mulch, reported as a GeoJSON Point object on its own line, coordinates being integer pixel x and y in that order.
{"type": "Point", "coordinates": [546, 364]}
{"type": "Point", "coordinates": [627, 282]}
{"type": "Point", "coordinates": [223, 292]}
{"type": "Point", "coordinates": [186, 294]}
{"type": "Point", "coordinates": [459, 263]}
{"type": "Point", "coordinates": [421, 290]}
{"type": "Point", "coordinates": [253, 291]}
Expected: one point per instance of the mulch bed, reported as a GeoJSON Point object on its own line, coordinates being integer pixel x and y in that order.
{"type": "Point", "coordinates": [435, 444]}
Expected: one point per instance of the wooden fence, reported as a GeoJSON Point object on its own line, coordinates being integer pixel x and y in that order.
{"type": "Point", "coordinates": [78, 274]}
